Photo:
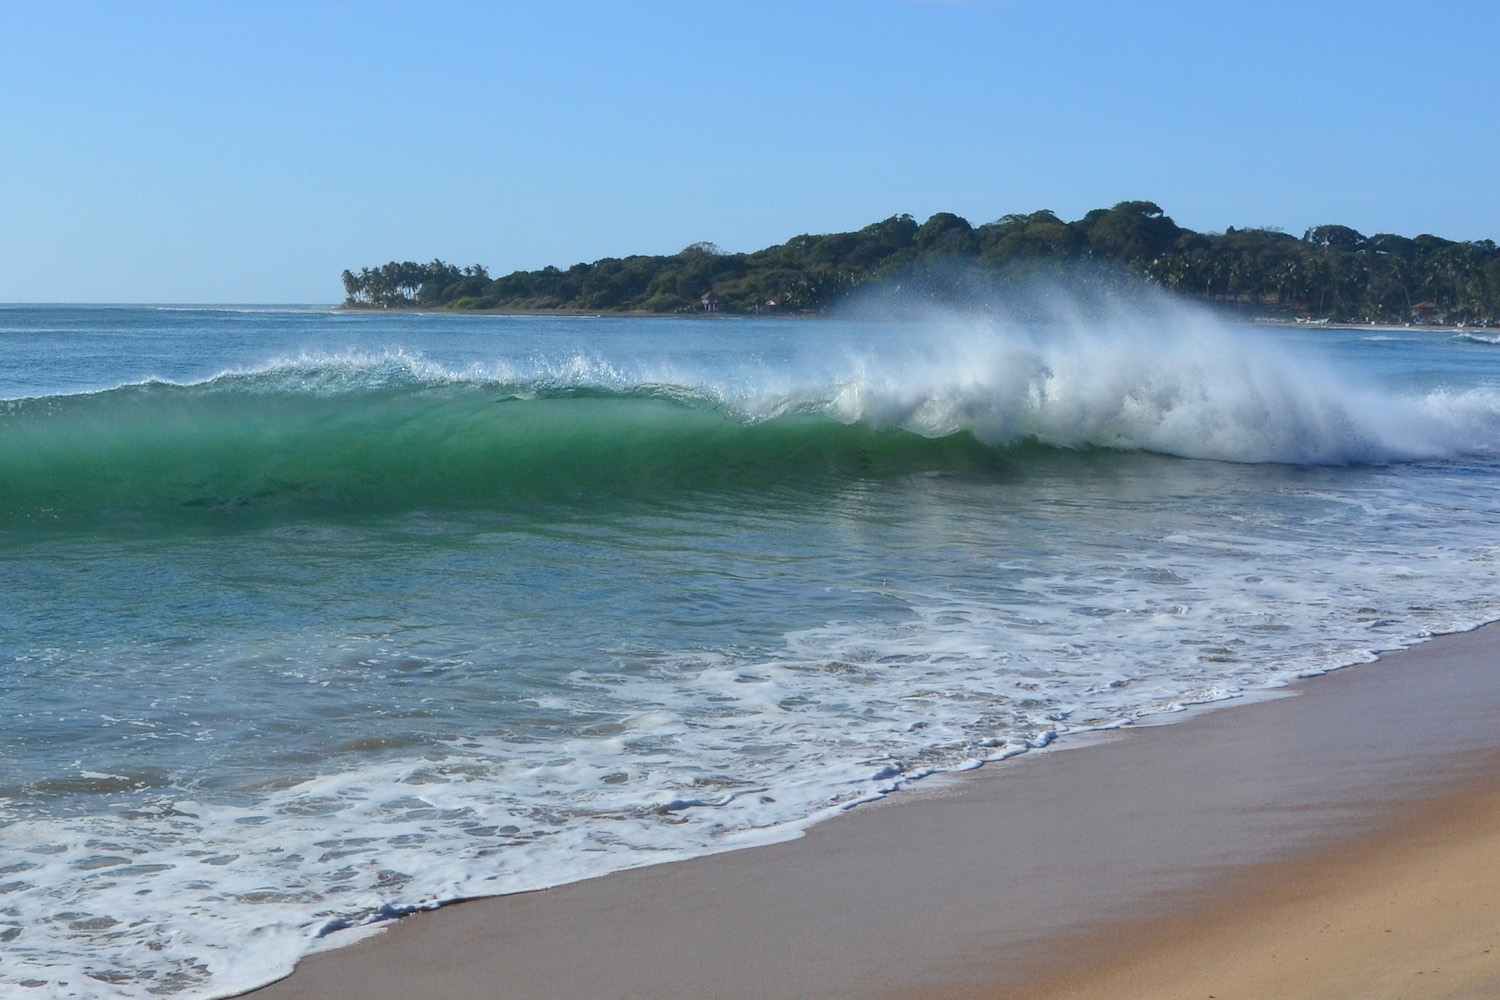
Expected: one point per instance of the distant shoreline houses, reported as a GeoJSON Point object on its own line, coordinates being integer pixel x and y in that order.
{"type": "Point", "coordinates": [1425, 313]}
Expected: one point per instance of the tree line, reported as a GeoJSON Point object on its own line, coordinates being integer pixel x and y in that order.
{"type": "Point", "coordinates": [1331, 272]}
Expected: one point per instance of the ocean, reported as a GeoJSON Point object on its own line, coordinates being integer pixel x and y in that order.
{"type": "Point", "coordinates": [313, 619]}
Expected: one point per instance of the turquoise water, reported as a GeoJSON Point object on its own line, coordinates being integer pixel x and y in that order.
{"type": "Point", "coordinates": [316, 618]}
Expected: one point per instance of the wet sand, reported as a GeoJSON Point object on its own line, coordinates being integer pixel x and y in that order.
{"type": "Point", "coordinates": [1249, 851]}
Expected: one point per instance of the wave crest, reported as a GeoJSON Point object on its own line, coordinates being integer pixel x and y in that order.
{"type": "Point", "coordinates": [396, 430]}
{"type": "Point", "coordinates": [1201, 393]}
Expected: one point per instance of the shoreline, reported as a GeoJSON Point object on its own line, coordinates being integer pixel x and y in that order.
{"type": "Point", "coordinates": [1228, 314]}
{"type": "Point", "coordinates": [572, 313]}
{"type": "Point", "coordinates": [1031, 874]}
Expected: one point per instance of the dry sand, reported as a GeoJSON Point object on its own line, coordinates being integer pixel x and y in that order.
{"type": "Point", "coordinates": [1413, 912]}
{"type": "Point", "coordinates": [1255, 851]}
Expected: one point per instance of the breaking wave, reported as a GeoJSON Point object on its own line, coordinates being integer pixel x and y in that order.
{"type": "Point", "coordinates": [393, 430]}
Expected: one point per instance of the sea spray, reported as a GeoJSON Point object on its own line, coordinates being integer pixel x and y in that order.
{"type": "Point", "coordinates": [1152, 374]}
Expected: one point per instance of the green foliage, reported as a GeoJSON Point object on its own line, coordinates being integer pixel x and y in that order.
{"type": "Point", "coordinates": [946, 234]}
{"type": "Point", "coordinates": [1133, 230]}
{"type": "Point", "coordinates": [393, 285]}
{"type": "Point", "coordinates": [1331, 272]}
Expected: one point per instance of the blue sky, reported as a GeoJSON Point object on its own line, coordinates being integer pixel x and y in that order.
{"type": "Point", "coordinates": [239, 152]}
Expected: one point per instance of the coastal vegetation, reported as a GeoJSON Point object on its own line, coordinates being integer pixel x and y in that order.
{"type": "Point", "coordinates": [1331, 272]}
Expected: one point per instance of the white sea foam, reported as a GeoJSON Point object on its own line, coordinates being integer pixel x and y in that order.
{"type": "Point", "coordinates": [716, 753]}
{"type": "Point", "coordinates": [1170, 380]}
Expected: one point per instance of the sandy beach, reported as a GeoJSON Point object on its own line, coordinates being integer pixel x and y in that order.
{"type": "Point", "coordinates": [1412, 911]}
{"type": "Point", "coordinates": [1316, 844]}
